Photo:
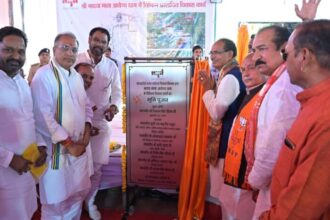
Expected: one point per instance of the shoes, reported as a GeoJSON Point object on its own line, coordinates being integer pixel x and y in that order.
{"type": "Point", "coordinates": [93, 212]}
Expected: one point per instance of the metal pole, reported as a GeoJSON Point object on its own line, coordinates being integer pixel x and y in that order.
{"type": "Point", "coordinates": [10, 12]}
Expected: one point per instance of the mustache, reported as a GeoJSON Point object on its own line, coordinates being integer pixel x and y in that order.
{"type": "Point", "coordinates": [259, 62]}
{"type": "Point", "coordinates": [14, 60]}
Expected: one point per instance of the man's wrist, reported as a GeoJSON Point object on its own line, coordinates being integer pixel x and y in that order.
{"type": "Point", "coordinates": [67, 142]}
{"type": "Point", "coordinates": [88, 124]}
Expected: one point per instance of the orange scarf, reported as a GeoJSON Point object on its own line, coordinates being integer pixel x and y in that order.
{"type": "Point", "coordinates": [251, 130]}
{"type": "Point", "coordinates": [235, 148]}
{"type": "Point", "coordinates": [194, 171]}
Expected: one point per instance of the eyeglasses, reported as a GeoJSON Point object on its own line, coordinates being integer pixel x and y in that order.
{"type": "Point", "coordinates": [213, 52]}
{"type": "Point", "coordinates": [66, 48]}
{"type": "Point", "coordinates": [284, 54]}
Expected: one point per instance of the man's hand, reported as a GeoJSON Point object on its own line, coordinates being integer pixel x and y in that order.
{"type": "Point", "coordinates": [19, 164]}
{"type": "Point", "coordinates": [94, 131]}
{"type": "Point", "coordinates": [111, 112]}
{"type": "Point", "coordinates": [87, 133]}
{"type": "Point", "coordinates": [308, 10]}
{"type": "Point", "coordinates": [76, 149]}
{"type": "Point", "coordinates": [42, 157]}
{"type": "Point", "coordinates": [206, 80]}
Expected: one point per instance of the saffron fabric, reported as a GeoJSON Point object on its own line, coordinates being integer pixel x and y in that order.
{"type": "Point", "coordinates": [301, 178]}
{"type": "Point", "coordinates": [277, 112]}
{"type": "Point", "coordinates": [242, 43]}
{"type": "Point", "coordinates": [252, 127]}
{"type": "Point", "coordinates": [235, 148]}
{"type": "Point", "coordinates": [194, 172]}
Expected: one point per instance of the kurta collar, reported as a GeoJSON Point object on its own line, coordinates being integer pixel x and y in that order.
{"type": "Point", "coordinates": [315, 90]}
{"type": "Point", "coordinates": [92, 59]}
{"type": "Point", "coordinates": [254, 89]}
{"type": "Point", "coordinates": [4, 75]}
{"type": "Point", "coordinates": [61, 69]}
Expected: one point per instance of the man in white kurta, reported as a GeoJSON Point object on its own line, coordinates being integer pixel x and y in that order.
{"type": "Point", "coordinates": [277, 112]}
{"type": "Point", "coordinates": [279, 108]}
{"type": "Point", "coordinates": [276, 115]}
{"type": "Point", "coordinates": [56, 89]}
{"type": "Point", "coordinates": [18, 198]}
{"type": "Point", "coordinates": [222, 105]}
{"type": "Point", "coordinates": [105, 93]}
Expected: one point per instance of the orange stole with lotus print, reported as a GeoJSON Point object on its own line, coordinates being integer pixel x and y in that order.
{"type": "Point", "coordinates": [235, 148]}
{"type": "Point", "coordinates": [194, 172]}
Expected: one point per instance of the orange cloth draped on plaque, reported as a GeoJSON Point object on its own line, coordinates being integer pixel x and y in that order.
{"type": "Point", "coordinates": [242, 43]}
{"type": "Point", "coordinates": [194, 171]}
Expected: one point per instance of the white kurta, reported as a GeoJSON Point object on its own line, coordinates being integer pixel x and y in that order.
{"type": "Point", "coordinates": [73, 176]}
{"type": "Point", "coordinates": [277, 112]}
{"type": "Point", "coordinates": [217, 105]}
{"type": "Point", "coordinates": [17, 131]}
{"type": "Point", "coordinates": [227, 92]}
{"type": "Point", "coordinates": [106, 84]}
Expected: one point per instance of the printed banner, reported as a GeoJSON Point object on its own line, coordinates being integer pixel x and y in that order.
{"type": "Point", "coordinates": [141, 28]}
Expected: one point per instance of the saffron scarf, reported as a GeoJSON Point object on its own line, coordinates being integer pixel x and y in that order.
{"type": "Point", "coordinates": [252, 126]}
{"type": "Point", "coordinates": [194, 171]}
{"type": "Point", "coordinates": [235, 148]}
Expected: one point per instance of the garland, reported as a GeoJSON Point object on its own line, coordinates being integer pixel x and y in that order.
{"type": "Point", "coordinates": [123, 87]}
{"type": "Point", "coordinates": [123, 169]}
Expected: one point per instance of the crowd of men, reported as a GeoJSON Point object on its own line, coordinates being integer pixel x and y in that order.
{"type": "Point", "coordinates": [65, 114]}
{"type": "Point", "coordinates": [272, 151]}
{"type": "Point", "coordinates": [274, 109]}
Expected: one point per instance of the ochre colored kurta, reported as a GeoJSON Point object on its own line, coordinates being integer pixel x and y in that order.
{"type": "Point", "coordinates": [300, 185]}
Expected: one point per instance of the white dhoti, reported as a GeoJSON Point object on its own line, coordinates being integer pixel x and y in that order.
{"type": "Point", "coordinates": [70, 185]}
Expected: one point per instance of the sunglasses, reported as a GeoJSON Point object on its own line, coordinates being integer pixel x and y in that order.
{"type": "Point", "coordinates": [284, 54]}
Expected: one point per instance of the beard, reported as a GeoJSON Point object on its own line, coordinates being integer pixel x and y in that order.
{"type": "Point", "coordinates": [97, 51]}
{"type": "Point", "coordinates": [12, 66]}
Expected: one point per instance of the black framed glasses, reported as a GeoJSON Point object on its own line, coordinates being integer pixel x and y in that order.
{"type": "Point", "coordinates": [284, 54]}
